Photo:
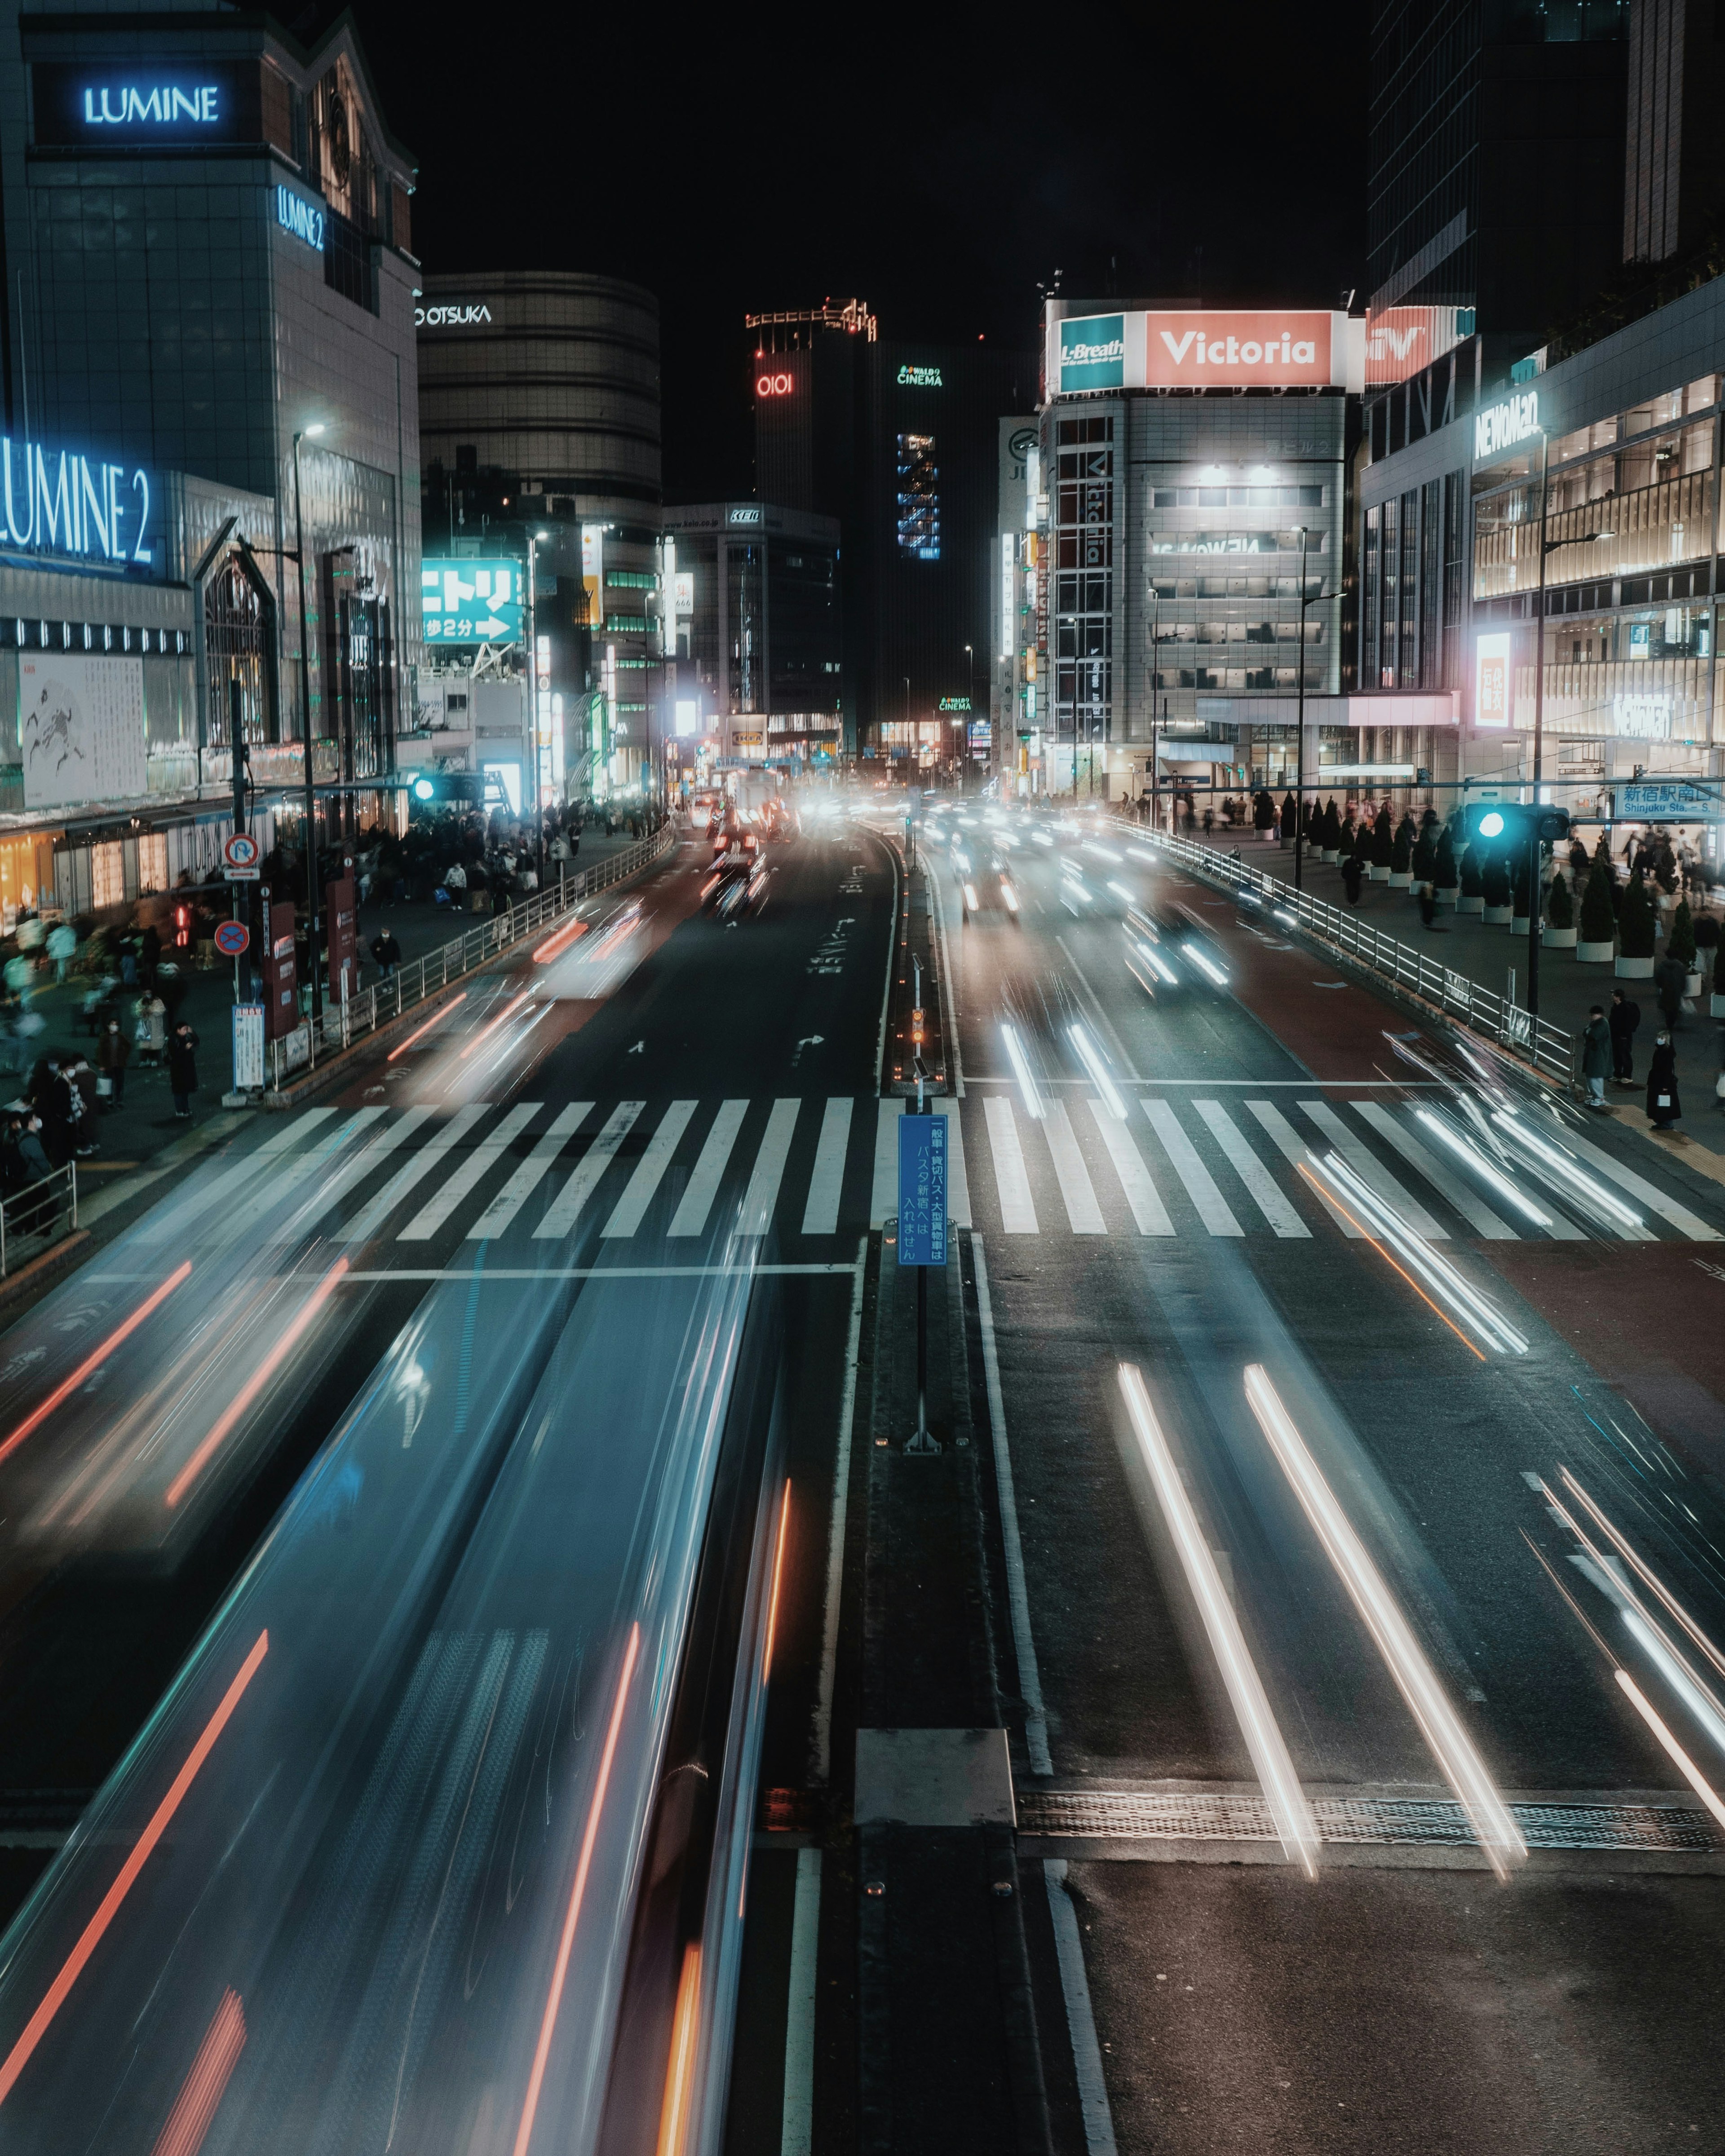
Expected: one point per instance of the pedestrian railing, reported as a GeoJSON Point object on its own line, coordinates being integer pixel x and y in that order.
{"type": "Point", "coordinates": [40, 1215]}
{"type": "Point", "coordinates": [1551, 1048]}
{"type": "Point", "coordinates": [338, 1025]}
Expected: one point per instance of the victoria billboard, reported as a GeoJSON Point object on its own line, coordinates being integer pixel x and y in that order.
{"type": "Point", "coordinates": [1256, 348]}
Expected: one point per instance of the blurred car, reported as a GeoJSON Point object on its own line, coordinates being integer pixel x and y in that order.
{"type": "Point", "coordinates": [985, 879]}
{"type": "Point", "coordinates": [1165, 951]}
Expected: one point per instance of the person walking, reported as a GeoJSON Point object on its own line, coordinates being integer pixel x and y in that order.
{"type": "Point", "coordinates": [1626, 1017]}
{"type": "Point", "coordinates": [182, 1068]}
{"type": "Point", "coordinates": [1670, 977]}
{"type": "Point", "coordinates": [1596, 1057]}
{"type": "Point", "coordinates": [113, 1054]}
{"type": "Point", "coordinates": [1664, 1108]}
{"type": "Point", "coordinates": [1353, 876]}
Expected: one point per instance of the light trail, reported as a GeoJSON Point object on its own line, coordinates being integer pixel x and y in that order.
{"type": "Point", "coordinates": [1108, 853]}
{"type": "Point", "coordinates": [1481, 1167]}
{"type": "Point", "coordinates": [1275, 1768]}
{"type": "Point", "coordinates": [91, 1937]}
{"type": "Point", "coordinates": [784, 1528]}
{"type": "Point", "coordinates": [1120, 890]}
{"type": "Point", "coordinates": [254, 1384]}
{"type": "Point", "coordinates": [535, 2079]}
{"type": "Point", "coordinates": [485, 1032]}
{"type": "Point", "coordinates": [1091, 1058]}
{"type": "Point", "coordinates": [970, 898]}
{"type": "Point", "coordinates": [1020, 1063]}
{"type": "Point", "coordinates": [195, 2107]}
{"type": "Point", "coordinates": [1438, 1273]}
{"type": "Point", "coordinates": [436, 1018]}
{"type": "Point", "coordinates": [1208, 965]}
{"type": "Point", "coordinates": [1437, 1311]}
{"type": "Point", "coordinates": [1631, 1557]}
{"type": "Point", "coordinates": [680, 2067]}
{"type": "Point", "coordinates": [1157, 964]}
{"type": "Point", "coordinates": [1685, 1765]}
{"type": "Point", "coordinates": [1492, 1819]}
{"type": "Point", "coordinates": [1563, 1166]}
{"type": "Point", "coordinates": [558, 941]}
{"type": "Point", "coordinates": [94, 1360]}
{"type": "Point", "coordinates": [1676, 1676]}
{"type": "Point", "coordinates": [1010, 895]}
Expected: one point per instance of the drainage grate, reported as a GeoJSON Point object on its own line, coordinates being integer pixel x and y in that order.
{"type": "Point", "coordinates": [1138, 1815]}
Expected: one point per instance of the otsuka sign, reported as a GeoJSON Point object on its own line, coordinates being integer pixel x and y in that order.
{"type": "Point", "coordinates": [1262, 348]}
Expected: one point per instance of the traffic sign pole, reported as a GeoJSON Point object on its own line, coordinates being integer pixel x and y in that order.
{"type": "Point", "coordinates": [922, 1225]}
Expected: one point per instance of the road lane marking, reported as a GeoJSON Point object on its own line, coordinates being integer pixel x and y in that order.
{"type": "Point", "coordinates": [1692, 1225]}
{"type": "Point", "coordinates": [957, 1182]}
{"type": "Point", "coordinates": [175, 1219]}
{"type": "Point", "coordinates": [823, 1733]}
{"type": "Point", "coordinates": [331, 1193]}
{"type": "Point", "coordinates": [762, 1195]}
{"type": "Point", "coordinates": [413, 1170]}
{"type": "Point", "coordinates": [1294, 1149]}
{"type": "Point", "coordinates": [1212, 1208]}
{"type": "Point", "coordinates": [1366, 1164]}
{"type": "Point", "coordinates": [532, 1171]}
{"type": "Point", "coordinates": [1006, 1492]}
{"type": "Point", "coordinates": [796, 2130]}
{"type": "Point", "coordinates": [883, 1202]}
{"type": "Point", "coordinates": [690, 1215]}
{"type": "Point", "coordinates": [1081, 2021]}
{"type": "Point", "coordinates": [1142, 1195]}
{"type": "Point", "coordinates": [1018, 1214]}
{"type": "Point", "coordinates": [432, 1216]}
{"type": "Point", "coordinates": [630, 1210]}
{"type": "Point", "coordinates": [826, 1184]}
{"type": "Point", "coordinates": [1076, 1189]}
{"type": "Point", "coordinates": [565, 1209]}
{"type": "Point", "coordinates": [1267, 1192]}
{"type": "Point", "coordinates": [1471, 1207]}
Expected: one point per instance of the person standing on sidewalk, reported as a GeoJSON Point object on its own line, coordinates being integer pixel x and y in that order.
{"type": "Point", "coordinates": [183, 1068]}
{"type": "Point", "coordinates": [1596, 1057]}
{"type": "Point", "coordinates": [1664, 1109]}
{"type": "Point", "coordinates": [113, 1054]}
{"type": "Point", "coordinates": [1626, 1017]}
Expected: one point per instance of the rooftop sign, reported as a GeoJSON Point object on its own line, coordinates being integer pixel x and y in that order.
{"type": "Point", "coordinates": [145, 106]}
{"type": "Point", "coordinates": [1259, 348]}
{"type": "Point", "coordinates": [1500, 427]}
{"type": "Point", "coordinates": [61, 503]}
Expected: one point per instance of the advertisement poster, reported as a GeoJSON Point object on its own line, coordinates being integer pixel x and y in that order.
{"type": "Point", "coordinates": [80, 728]}
{"type": "Point", "coordinates": [1200, 348]}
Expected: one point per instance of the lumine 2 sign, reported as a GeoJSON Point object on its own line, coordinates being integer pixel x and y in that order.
{"type": "Point", "coordinates": [58, 502]}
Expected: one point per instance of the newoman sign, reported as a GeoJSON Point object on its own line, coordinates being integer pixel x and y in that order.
{"type": "Point", "coordinates": [1256, 348]}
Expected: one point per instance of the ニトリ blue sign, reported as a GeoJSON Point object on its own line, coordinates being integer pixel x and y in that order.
{"type": "Point", "coordinates": [922, 1190]}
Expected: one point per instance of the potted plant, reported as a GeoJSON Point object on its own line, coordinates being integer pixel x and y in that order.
{"type": "Point", "coordinates": [1681, 944]}
{"type": "Point", "coordinates": [1598, 945]}
{"type": "Point", "coordinates": [1473, 883]}
{"type": "Point", "coordinates": [1423, 862]}
{"type": "Point", "coordinates": [1558, 933]}
{"type": "Point", "coordinates": [1383, 845]}
{"type": "Point", "coordinates": [1446, 877]}
{"type": "Point", "coordinates": [1494, 879]}
{"type": "Point", "coordinates": [1331, 842]}
{"type": "Point", "coordinates": [1636, 932]}
{"type": "Point", "coordinates": [1707, 955]}
{"type": "Point", "coordinates": [1401, 857]}
{"type": "Point", "coordinates": [1290, 819]}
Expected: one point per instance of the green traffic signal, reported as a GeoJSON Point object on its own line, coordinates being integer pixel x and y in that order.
{"type": "Point", "coordinates": [1517, 823]}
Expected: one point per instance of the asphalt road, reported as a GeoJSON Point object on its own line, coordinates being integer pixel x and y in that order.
{"type": "Point", "coordinates": [406, 1848]}
{"type": "Point", "coordinates": [1404, 1996]}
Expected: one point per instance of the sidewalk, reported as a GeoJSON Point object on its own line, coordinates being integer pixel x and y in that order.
{"type": "Point", "coordinates": [1567, 987]}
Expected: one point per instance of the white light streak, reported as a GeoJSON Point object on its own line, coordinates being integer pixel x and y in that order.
{"type": "Point", "coordinates": [1010, 895]}
{"type": "Point", "coordinates": [1042, 838]}
{"type": "Point", "coordinates": [1677, 1677]}
{"type": "Point", "coordinates": [1626, 1550]}
{"type": "Point", "coordinates": [1492, 1819]}
{"type": "Point", "coordinates": [1106, 853]}
{"type": "Point", "coordinates": [1207, 965]}
{"type": "Point", "coordinates": [1286, 1799]}
{"type": "Point", "coordinates": [1561, 1164]}
{"type": "Point", "coordinates": [1686, 1765]}
{"type": "Point", "coordinates": [970, 898]}
{"type": "Point", "coordinates": [1021, 1067]}
{"type": "Point", "coordinates": [1482, 1167]}
{"type": "Point", "coordinates": [1091, 1057]}
{"type": "Point", "coordinates": [1439, 1275]}
{"type": "Point", "coordinates": [1120, 890]}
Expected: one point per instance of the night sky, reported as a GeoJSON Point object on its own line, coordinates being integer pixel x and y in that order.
{"type": "Point", "coordinates": [928, 160]}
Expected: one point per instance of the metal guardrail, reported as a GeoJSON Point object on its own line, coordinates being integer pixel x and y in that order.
{"type": "Point", "coordinates": [339, 1025]}
{"type": "Point", "coordinates": [1551, 1048]}
{"type": "Point", "coordinates": [38, 1215]}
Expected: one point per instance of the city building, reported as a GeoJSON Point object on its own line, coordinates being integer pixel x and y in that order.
{"type": "Point", "coordinates": [1014, 686]}
{"type": "Point", "coordinates": [898, 441]}
{"type": "Point", "coordinates": [1495, 189]}
{"type": "Point", "coordinates": [539, 417]}
{"type": "Point", "coordinates": [208, 349]}
{"type": "Point", "coordinates": [759, 636]}
{"type": "Point", "coordinates": [1194, 465]}
{"type": "Point", "coordinates": [1455, 526]}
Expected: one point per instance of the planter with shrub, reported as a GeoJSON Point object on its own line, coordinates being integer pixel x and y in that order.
{"type": "Point", "coordinates": [1401, 858]}
{"type": "Point", "coordinates": [1494, 885]}
{"type": "Point", "coordinates": [1383, 845]}
{"type": "Point", "coordinates": [1473, 884]}
{"type": "Point", "coordinates": [1558, 933]}
{"type": "Point", "coordinates": [1597, 943]}
{"type": "Point", "coordinates": [1681, 944]}
{"type": "Point", "coordinates": [1636, 933]}
{"type": "Point", "coordinates": [1331, 842]}
{"type": "Point", "coordinates": [1446, 877]}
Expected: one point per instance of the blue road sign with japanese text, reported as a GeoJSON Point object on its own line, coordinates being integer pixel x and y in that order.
{"type": "Point", "coordinates": [921, 1190]}
{"type": "Point", "coordinates": [1668, 802]}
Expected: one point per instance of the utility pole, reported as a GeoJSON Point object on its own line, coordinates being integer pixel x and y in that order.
{"type": "Point", "coordinates": [306, 720]}
{"type": "Point", "coordinates": [1300, 727]}
{"type": "Point", "coordinates": [1536, 911]}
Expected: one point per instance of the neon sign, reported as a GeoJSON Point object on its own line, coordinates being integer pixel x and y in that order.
{"type": "Point", "coordinates": [451, 318]}
{"type": "Point", "coordinates": [773, 385]}
{"type": "Point", "coordinates": [1503, 425]}
{"type": "Point", "coordinates": [140, 107]}
{"type": "Point", "coordinates": [62, 503]}
{"type": "Point", "coordinates": [126, 105]}
{"type": "Point", "coordinates": [304, 219]}
{"type": "Point", "coordinates": [920, 378]}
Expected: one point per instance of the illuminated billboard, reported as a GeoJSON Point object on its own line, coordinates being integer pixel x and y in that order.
{"type": "Point", "coordinates": [471, 602]}
{"type": "Point", "coordinates": [1490, 679]}
{"type": "Point", "coordinates": [1399, 341]}
{"type": "Point", "coordinates": [1207, 348]}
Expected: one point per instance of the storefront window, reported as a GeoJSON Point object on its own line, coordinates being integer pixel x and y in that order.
{"type": "Point", "coordinates": [107, 875]}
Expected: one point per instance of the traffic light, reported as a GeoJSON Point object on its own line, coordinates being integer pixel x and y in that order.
{"type": "Point", "coordinates": [1512, 824]}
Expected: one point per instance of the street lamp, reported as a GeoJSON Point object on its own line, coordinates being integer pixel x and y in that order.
{"type": "Point", "coordinates": [306, 433]}
{"type": "Point", "coordinates": [533, 541]}
{"type": "Point", "coordinates": [1306, 600]}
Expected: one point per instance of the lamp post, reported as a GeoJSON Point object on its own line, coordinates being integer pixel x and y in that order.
{"type": "Point", "coordinates": [1536, 910]}
{"type": "Point", "coordinates": [1306, 600]}
{"type": "Point", "coordinates": [533, 540]}
{"type": "Point", "coordinates": [306, 719]}
{"type": "Point", "coordinates": [1151, 685]}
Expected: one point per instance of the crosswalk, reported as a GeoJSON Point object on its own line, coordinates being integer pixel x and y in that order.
{"type": "Point", "coordinates": [1177, 1164]}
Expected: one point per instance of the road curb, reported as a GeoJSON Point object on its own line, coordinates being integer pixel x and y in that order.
{"type": "Point", "coordinates": [44, 1267]}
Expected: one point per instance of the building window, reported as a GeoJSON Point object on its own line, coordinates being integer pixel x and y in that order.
{"type": "Point", "coordinates": [1083, 584]}
{"type": "Point", "coordinates": [919, 501]}
{"type": "Point", "coordinates": [152, 861]}
{"type": "Point", "coordinates": [107, 875]}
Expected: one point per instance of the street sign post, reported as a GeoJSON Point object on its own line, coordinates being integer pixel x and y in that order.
{"type": "Point", "coordinates": [1668, 802]}
{"type": "Point", "coordinates": [248, 1048]}
{"type": "Point", "coordinates": [232, 937]}
{"type": "Point", "coordinates": [922, 1229]}
{"type": "Point", "coordinates": [242, 861]}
